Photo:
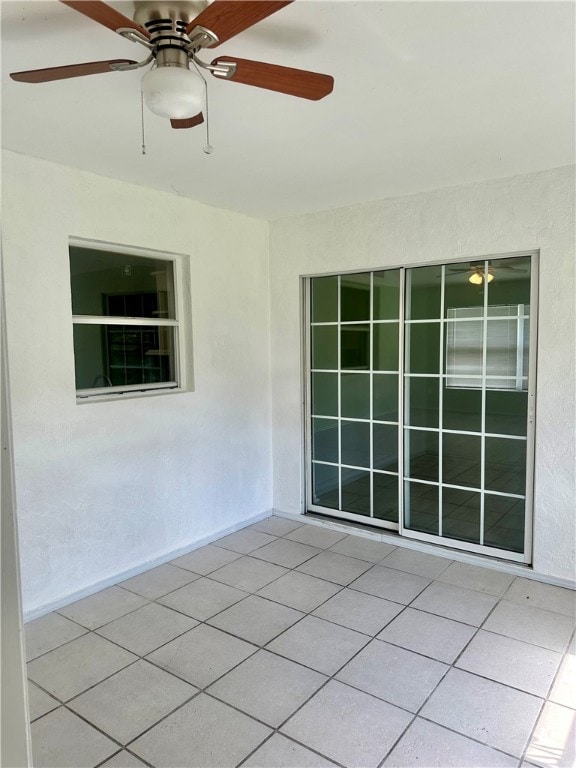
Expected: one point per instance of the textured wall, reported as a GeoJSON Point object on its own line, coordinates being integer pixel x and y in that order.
{"type": "Point", "coordinates": [520, 213]}
{"type": "Point", "coordinates": [104, 487]}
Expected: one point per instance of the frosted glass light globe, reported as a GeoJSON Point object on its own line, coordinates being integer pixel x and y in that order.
{"type": "Point", "coordinates": [173, 92]}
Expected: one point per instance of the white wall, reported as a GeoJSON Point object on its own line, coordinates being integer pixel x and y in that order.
{"type": "Point", "coordinates": [520, 213]}
{"type": "Point", "coordinates": [105, 487]}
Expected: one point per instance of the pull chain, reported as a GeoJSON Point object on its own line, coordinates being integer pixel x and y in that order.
{"type": "Point", "coordinates": [142, 122]}
{"type": "Point", "coordinates": [207, 148]}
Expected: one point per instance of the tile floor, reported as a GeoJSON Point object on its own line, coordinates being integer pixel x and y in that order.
{"type": "Point", "coordinates": [292, 645]}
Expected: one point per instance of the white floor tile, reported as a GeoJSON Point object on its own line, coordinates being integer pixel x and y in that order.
{"type": "Point", "coordinates": [248, 573]}
{"type": "Point", "coordinates": [206, 559]}
{"type": "Point", "coordinates": [391, 584]}
{"type": "Point", "coordinates": [334, 567]}
{"type": "Point", "coordinates": [359, 611]}
{"type": "Point", "coordinates": [158, 581]}
{"type": "Point", "coordinates": [362, 548]}
{"type": "Point", "coordinates": [39, 703]}
{"type": "Point", "coordinates": [474, 577]}
{"type": "Point", "coordinates": [299, 591]}
{"type": "Point", "coordinates": [276, 526]}
{"type": "Point", "coordinates": [256, 620]}
{"type": "Point", "coordinates": [245, 541]}
{"type": "Point", "coordinates": [316, 536]}
{"type": "Point", "coordinates": [102, 607]}
{"type": "Point", "coordinates": [553, 743]}
{"type": "Point", "coordinates": [62, 740]}
{"type": "Point", "coordinates": [287, 553]}
{"type": "Point", "coordinates": [546, 596]}
{"type": "Point", "coordinates": [280, 752]}
{"type": "Point", "coordinates": [564, 688]}
{"type": "Point", "coordinates": [418, 563]}
{"type": "Point", "coordinates": [49, 632]}
{"type": "Point", "coordinates": [123, 759]}
{"type": "Point", "coordinates": [455, 603]}
{"type": "Point", "coordinates": [203, 598]}
{"type": "Point", "coordinates": [532, 625]}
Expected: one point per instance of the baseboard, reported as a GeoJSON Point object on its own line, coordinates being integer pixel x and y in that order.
{"type": "Point", "coordinates": [35, 613]}
{"type": "Point", "coordinates": [514, 569]}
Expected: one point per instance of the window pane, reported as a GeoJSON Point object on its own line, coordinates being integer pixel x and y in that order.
{"type": "Point", "coordinates": [385, 346]}
{"type": "Point", "coordinates": [423, 293]}
{"type": "Point", "coordinates": [355, 347]}
{"type": "Point", "coordinates": [356, 491]}
{"type": "Point", "coordinates": [505, 465]}
{"type": "Point", "coordinates": [386, 299]}
{"type": "Point", "coordinates": [385, 447]}
{"type": "Point", "coordinates": [120, 285]}
{"type": "Point", "coordinates": [460, 292]}
{"type": "Point", "coordinates": [423, 348]}
{"type": "Point", "coordinates": [386, 497]}
{"type": "Point", "coordinates": [325, 300]}
{"type": "Point", "coordinates": [325, 440]}
{"type": "Point", "coordinates": [421, 507]}
{"type": "Point", "coordinates": [355, 297]}
{"type": "Point", "coordinates": [511, 284]}
{"type": "Point", "coordinates": [462, 408]}
{"type": "Point", "coordinates": [421, 454]}
{"type": "Point", "coordinates": [504, 522]}
{"type": "Point", "coordinates": [385, 397]}
{"type": "Point", "coordinates": [325, 347]}
{"type": "Point", "coordinates": [463, 353]}
{"type": "Point", "coordinates": [325, 394]}
{"type": "Point", "coordinates": [325, 485]}
{"type": "Point", "coordinates": [422, 402]}
{"type": "Point", "coordinates": [461, 460]}
{"type": "Point", "coordinates": [119, 355]}
{"type": "Point", "coordinates": [506, 412]}
{"type": "Point", "coordinates": [355, 395]}
{"type": "Point", "coordinates": [356, 443]}
{"type": "Point", "coordinates": [461, 515]}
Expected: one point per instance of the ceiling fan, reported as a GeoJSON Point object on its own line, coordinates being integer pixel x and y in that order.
{"type": "Point", "coordinates": [174, 32]}
{"type": "Point", "coordinates": [476, 272]}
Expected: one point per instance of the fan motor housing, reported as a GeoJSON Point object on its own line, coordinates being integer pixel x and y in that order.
{"type": "Point", "coordinates": [177, 10]}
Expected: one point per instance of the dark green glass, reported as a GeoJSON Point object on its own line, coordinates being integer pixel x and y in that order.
{"type": "Point", "coordinates": [324, 299]}
{"type": "Point", "coordinates": [355, 403]}
{"type": "Point", "coordinates": [385, 346]}
{"type": "Point", "coordinates": [356, 491]}
{"type": "Point", "coordinates": [355, 443]}
{"type": "Point", "coordinates": [325, 440]}
{"type": "Point", "coordinates": [385, 447]}
{"type": "Point", "coordinates": [355, 347]}
{"type": "Point", "coordinates": [461, 515]}
{"type": "Point", "coordinates": [505, 465]}
{"type": "Point", "coordinates": [385, 497]}
{"type": "Point", "coordinates": [355, 297]}
{"type": "Point", "coordinates": [504, 522]}
{"type": "Point", "coordinates": [386, 300]}
{"type": "Point", "coordinates": [506, 412]}
{"type": "Point", "coordinates": [511, 284]}
{"type": "Point", "coordinates": [421, 507]}
{"type": "Point", "coordinates": [423, 347]}
{"type": "Point", "coordinates": [422, 401]}
{"type": "Point", "coordinates": [325, 394]}
{"type": "Point", "coordinates": [423, 293]}
{"type": "Point", "coordinates": [459, 292]}
{"type": "Point", "coordinates": [325, 486]}
{"type": "Point", "coordinates": [461, 459]}
{"type": "Point", "coordinates": [385, 397]}
{"type": "Point", "coordinates": [422, 458]}
{"type": "Point", "coordinates": [462, 408]}
{"type": "Point", "coordinates": [325, 346]}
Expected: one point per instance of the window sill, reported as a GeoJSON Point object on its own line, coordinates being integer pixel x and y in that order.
{"type": "Point", "coordinates": [129, 395]}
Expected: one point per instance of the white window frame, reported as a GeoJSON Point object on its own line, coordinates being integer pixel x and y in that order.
{"type": "Point", "coordinates": [183, 378]}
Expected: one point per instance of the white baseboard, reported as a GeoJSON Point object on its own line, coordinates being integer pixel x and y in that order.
{"type": "Point", "coordinates": [514, 569]}
{"type": "Point", "coordinates": [42, 610]}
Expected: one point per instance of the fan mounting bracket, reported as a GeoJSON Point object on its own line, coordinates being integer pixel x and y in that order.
{"type": "Point", "coordinates": [138, 65]}
{"type": "Point", "coordinates": [223, 69]}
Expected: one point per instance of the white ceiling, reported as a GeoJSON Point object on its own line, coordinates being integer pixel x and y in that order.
{"type": "Point", "coordinates": [427, 95]}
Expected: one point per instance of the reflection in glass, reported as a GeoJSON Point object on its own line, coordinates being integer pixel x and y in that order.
{"type": "Point", "coordinates": [461, 459]}
{"type": "Point", "coordinates": [463, 352]}
{"type": "Point", "coordinates": [385, 397]}
{"type": "Point", "coordinates": [355, 491]}
{"type": "Point", "coordinates": [355, 395]}
{"type": "Point", "coordinates": [325, 440]}
{"type": "Point", "coordinates": [506, 412]}
{"type": "Point", "coordinates": [325, 485]}
{"type": "Point", "coordinates": [385, 346]}
{"type": "Point", "coordinates": [459, 291]}
{"type": "Point", "coordinates": [461, 515]}
{"type": "Point", "coordinates": [504, 522]}
{"type": "Point", "coordinates": [325, 300]}
{"type": "Point", "coordinates": [421, 507]}
{"type": "Point", "coordinates": [462, 408]}
{"type": "Point", "coordinates": [386, 300]}
{"type": "Point", "coordinates": [385, 447]}
{"type": "Point", "coordinates": [422, 402]}
{"type": "Point", "coordinates": [385, 497]}
{"type": "Point", "coordinates": [355, 347]}
{"type": "Point", "coordinates": [505, 465]}
{"type": "Point", "coordinates": [355, 297]}
{"type": "Point", "coordinates": [120, 285]}
{"type": "Point", "coordinates": [355, 443]}
{"type": "Point", "coordinates": [325, 394]}
{"type": "Point", "coordinates": [423, 293]}
{"type": "Point", "coordinates": [421, 450]}
{"type": "Point", "coordinates": [423, 347]}
{"type": "Point", "coordinates": [511, 284]}
{"type": "Point", "coordinates": [325, 346]}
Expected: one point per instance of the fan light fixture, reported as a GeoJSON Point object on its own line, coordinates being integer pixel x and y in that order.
{"type": "Point", "coordinates": [174, 92]}
{"type": "Point", "coordinates": [477, 277]}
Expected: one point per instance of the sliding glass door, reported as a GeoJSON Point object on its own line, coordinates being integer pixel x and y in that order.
{"type": "Point", "coordinates": [420, 404]}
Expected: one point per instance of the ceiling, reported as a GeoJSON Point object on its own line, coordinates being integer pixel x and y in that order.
{"type": "Point", "coordinates": [427, 95]}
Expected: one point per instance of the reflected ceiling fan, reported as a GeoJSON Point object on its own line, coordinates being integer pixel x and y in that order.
{"type": "Point", "coordinates": [174, 32]}
{"type": "Point", "coordinates": [476, 273]}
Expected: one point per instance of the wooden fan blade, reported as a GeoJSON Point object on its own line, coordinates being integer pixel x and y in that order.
{"type": "Point", "coordinates": [104, 14]}
{"type": "Point", "coordinates": [294, 82]}
{"type": "Point", "coordinates": [189, 122]}
{"type": "Point", "coordinates": [62, 73]}
{"type": "Point", "coordinates": [227, 18]}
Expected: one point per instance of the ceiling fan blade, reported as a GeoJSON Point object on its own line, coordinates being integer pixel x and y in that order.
{"type": "Point", "coordinates": [189, 122]}
{"type": "Point", "coordinates": [294, 82]}
{"type": "Point", "coordinates": [104, 14]}
{"type": "Point", "coordinates": [227, 18]}
{"type": "Point", "coordinates": [63, 73]}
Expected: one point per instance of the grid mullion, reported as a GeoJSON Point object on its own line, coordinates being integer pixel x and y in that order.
{"type": "Point", "coordinates": [483, 405]}
{"type": "Point", "coordinates": [441, 403]}
{"type": "Point", "coordinates": [371, 388]}
{"type": "Point", "coordinates": [339, 374]}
